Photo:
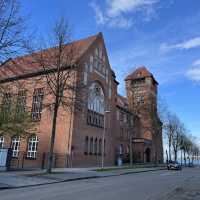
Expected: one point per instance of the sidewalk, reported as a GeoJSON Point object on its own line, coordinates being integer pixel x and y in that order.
{"type": "Point", "coordinates": [18, 179]}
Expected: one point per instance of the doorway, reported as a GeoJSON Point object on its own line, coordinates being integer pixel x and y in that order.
{"type": "Point", "coordinates": [148, 155]}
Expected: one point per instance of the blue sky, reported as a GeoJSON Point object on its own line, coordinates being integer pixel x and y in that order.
{"type": "Point", "coordinates": [163, 35]}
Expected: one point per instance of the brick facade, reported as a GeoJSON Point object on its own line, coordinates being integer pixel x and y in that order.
{"type": "Point", "coordinates": [79, 133]}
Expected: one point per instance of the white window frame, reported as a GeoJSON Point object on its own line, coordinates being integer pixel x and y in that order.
{"type": "Point", "coordinates": [1, 141]}
{"type": "Point", "coordinates": [15, 146]}
{"type": "Point", "coordinates": [32, 147]}
{"type": "Point", "coordinates": [96, 102]}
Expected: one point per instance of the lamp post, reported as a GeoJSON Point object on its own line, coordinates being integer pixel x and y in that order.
{"type": "Point", "coordinates": [103, 138]}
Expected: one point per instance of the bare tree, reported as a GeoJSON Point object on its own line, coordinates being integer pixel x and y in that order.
{"type": "Point", "coordinates": [176, 138]}
{"type": "Point", "coordinates": [170, 129]}
{"type": "Point", "coordinates": [183, 144]}
{"type": "Point", "coordinates": [12, 29]}
{"type": "Point", "coordinates": [62, 73]}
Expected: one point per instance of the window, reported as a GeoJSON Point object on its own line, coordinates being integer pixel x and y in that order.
{"type": "Point", "coordinates": [121, 132]}
{"type": "Point", "coordinates": [125, 118]}
{"type": "Point", "coordinates": [95, 146]}
{"type": "Point", "coordinates": [6, 105]}
{"type": "Point", "coordinates": [118, 114]}
{"type": "Point", "coordinates": [86, 145]}
{"type": "Point", "coordinates": [1, 141]}
{"type": "Point", "coordinates": [99, 63]}
{"type": "Point", "coordinates": [110, 90]}
{"type": "Point", "coordinates": [100, 147]}
{"type": "Point", "coordinates": [121, 116]}
{"type": "Point", "coordinates": [15, 146]}
{"type": "Point", "coordinates": [127, 149]}
{"type": "Point", "coordinates": [91, 145]}
{"type": "Point", "coordinates": [85, 74]}
{"type": "Point", "coordinates": [95, 115]}
{"type": "Point", "coordinates": [21, 103]}
{"type": "Point", "coordinates": [91, 63]}
{"type": "Point", "coordinates": [121, 149]}
{"type": "Point", "coordinates": [37, 104]}
{"type": "Point", "coordinates": [32, 147]}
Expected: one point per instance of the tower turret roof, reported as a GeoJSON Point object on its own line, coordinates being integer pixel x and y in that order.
{"type": "Point", "coordinates": [140, 72]}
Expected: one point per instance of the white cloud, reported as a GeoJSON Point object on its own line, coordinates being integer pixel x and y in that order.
{"type": "Point", "coordinates": [196, 62]}
{"type": "Point", "coordinates": [194, 72]}
{"type": "Point", "coordinates": [100, 18]}
{"type": "Point", "coordinates": [189, 44]}
{"type": "Point", "coordinates": [117, 7]}
{"type": "Point", "coordinates": [116, 11]}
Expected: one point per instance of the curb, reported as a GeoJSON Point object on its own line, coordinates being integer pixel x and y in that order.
{"type": "Point", "coordinates": [77, 179]}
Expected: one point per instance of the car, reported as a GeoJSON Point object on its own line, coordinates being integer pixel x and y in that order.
{"type": "Point", "coordinates": [174, 165]}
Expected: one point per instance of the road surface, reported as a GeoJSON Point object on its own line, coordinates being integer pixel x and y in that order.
{"type": "Point", "coordinates": [158, 185]}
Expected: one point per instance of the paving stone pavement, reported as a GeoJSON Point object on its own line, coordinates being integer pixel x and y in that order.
{"type": "Point", "coordinates": [33, 178]}
{"type": "Point", "coordinates": [190, 190]}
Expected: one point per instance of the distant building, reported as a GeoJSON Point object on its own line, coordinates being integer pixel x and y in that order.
{"type": "Point", "coordinates": [79, 134]}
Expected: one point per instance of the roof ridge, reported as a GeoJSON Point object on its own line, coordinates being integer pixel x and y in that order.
{"type": "Point", "coordinates": [49, 48]}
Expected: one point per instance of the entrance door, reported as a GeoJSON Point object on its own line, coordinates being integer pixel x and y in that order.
{"type": "Point", "coordinates": [148, 155]}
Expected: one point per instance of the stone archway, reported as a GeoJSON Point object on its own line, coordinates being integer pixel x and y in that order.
{"type": "Point", "coordinates": [147, 155]}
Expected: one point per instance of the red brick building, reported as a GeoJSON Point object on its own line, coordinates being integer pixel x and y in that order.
{"type": "Point", "coordinates": [79, 134]}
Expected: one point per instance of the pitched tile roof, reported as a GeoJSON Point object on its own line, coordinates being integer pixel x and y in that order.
{"type": "Point", "coordinates": [28, 64]}
{"type": "Point", "coordinates": [140, 72]}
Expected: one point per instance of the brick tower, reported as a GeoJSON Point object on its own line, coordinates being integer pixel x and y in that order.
{"type": "Point", "coordinates": [141, 88]}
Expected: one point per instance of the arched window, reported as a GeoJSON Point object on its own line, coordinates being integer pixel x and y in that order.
{"type": "Point", "coordinates": [32, 146]}
{"type": "Point", "coordinates": [121, 149]}
{"type": "Point", "coordinates": [91, 145]}
{"type": "Point", "coordinates": [15, 146]}
{"type": "Point", "coordinates": [1, 141]}
{"type": "Point", "coordinates": [96, 98]}
{"type": "Point", "coordinates": [127, 149]}
{"type": "Point", "coordinates": [100, 147]}
{"type": "Point", "coordinates": [86, 145]}
{"type": "Point", "coordinates": [95, 146]}
{"type": "Point", "coordinates": [96, 105]}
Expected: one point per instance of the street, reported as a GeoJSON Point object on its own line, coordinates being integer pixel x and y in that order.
{"type": "Point", "coordinates": [141, 186]}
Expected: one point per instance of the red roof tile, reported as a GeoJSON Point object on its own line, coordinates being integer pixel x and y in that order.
{"type": "Point", "coordinates": [28, 64]}
{"type": "Point", "coordinates": [140, 72]}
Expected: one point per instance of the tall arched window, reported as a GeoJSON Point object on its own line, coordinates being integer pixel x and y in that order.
{"type": "Point", "coordinates": [15, 146]}
{"type": "Point", "coordinates": [96, 105]}
{"type": "Point", "coordinates": [95, 146]}
{"type": "Point", "coordinates": [1, 141]}
{"type": "Point", "coordinates": [32, 146]}
{"type": "Point", "coordinates": [96, 98]}
{"type": "Point", "coordinates": [100, 147]}
{"type": "Point", "coordinates": [86, 145]}
{"type": "Point", "coordinates": [91, 145]}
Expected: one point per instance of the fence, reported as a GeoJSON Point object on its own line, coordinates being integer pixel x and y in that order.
{"type": "Point", "coordinates": [41, 161]}
{"type": "Point", "coordinates": [59, 161]}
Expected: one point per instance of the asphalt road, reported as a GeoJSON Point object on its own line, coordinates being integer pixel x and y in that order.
{"type": "Point", "coordinates": [159, 185]}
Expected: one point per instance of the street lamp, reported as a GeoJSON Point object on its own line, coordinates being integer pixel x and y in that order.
{"type": "Point", "coordinates": [103, 138]}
